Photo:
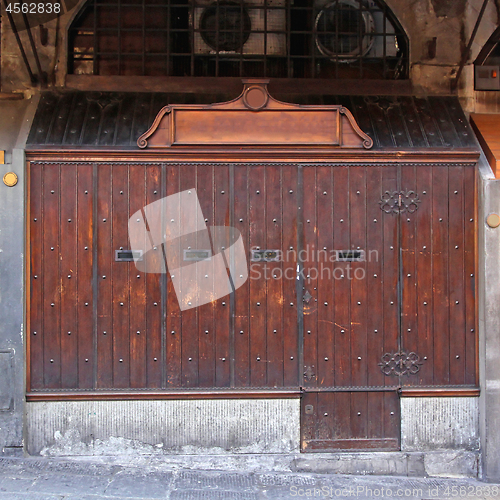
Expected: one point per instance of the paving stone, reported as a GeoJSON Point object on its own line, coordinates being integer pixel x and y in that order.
{"type": "Point", "coordinates": [66, 484]}
{"type": "Point", "coordinates": [212, 495]}
{"type": "Point", "coordinates": [285, 479]}
{"type": "Point", "coordinates": [215, 480]}
{"type": "Point", "coordinates": [16, 484]}
{"type": "Point", "coordinates": [28, 496]}
{"type": "Point", "coordinates": [150, 485]}
{"type": "Point", "coordinates": [84, 469]}
{"type": "Point", "coordinates": [17, 467]}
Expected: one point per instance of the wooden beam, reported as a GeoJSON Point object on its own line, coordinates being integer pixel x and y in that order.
{"type": "Point", "coordinates": [487, 129]}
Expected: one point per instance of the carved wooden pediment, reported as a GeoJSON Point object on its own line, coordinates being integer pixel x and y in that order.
{"type": "Point", "coordinates": [254, 118]}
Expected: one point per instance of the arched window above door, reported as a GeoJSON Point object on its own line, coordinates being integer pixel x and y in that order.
{"type": "Point", "coordinates": [339, 39]}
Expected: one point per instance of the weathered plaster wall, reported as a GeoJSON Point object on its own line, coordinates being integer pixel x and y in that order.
{"type": "Point", "coordinates": [438, 30]}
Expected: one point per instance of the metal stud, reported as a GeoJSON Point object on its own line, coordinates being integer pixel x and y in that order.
{"type": "Point", "coordinates": [138, 276]}
{"type": "Point", "coordinates": [241, 332]}
{"type": "Point", "coordinates": [359, 303]}
{"type": "Point", "coordinates": [424, 247]}
{"type": "Point", "coordinates": [471, 275]}
{"type": "Point", "coordinates": [155, 303]}
{"type": "Point", "coordinates": [326, 359]}
{"type": "Point", "coordinates": [440, 220]}
{"type": "Point", "coordinates": [391, 247]}
{"type": "Point", "coordinates": [51, 360]}
{"type": "Point", "coordinates": [138, 332]}
{"type": "Point", "coordinates": [86, 192]}
{"type": "Point", "coordinates": [104, 277]}
{"type": "Point", "coordinates": [374, 220]}
{"type": "Point", "coordinates": [258, 358]}
{"type": "Point", "coordinates": [374, 275]}
{"type": "Point", "coordinates": [359, 413]}
{"type": "Point", "coordinates": [274, 220]}
{"type": "Point", "coordinates": [326, 303]}
{"type": "Point", "coordinates": [470, 220]}
{"type": "Point", "coordinates": [408, 275]}
{"type": "Point", "coordinates": [69, 276]}
{"type": "Point", "coordinates": [86, 360]}
{"type": "Point", "coordinates": [291, 191]}
{"type": "Point", "coordinates": [342, 331]}
{"type": "Point", "coordinates": [222, 303]}
{"type": "Point", "coordinates": [341, 220]}
{"type": "Point", "coordinates": [86, 248]}
{"type": "Point", "coordinates": [34, 333]}
{"type": "Point", "coordinates": [472, 329]}
{"type": "Point", "coordinates": [258, 192]}
{"type": "Point", "coordinates": [291, 303]}
{"type": "Point", "coordinates": [359, 358]}
{"type": "Point", "coordinates": [52, 192]}
{"type": "Point", "coordinates": [407, 220]}
{"type": "Point", "coordinates": [35, 219]}
{"type": "Point", "coordinates": [308, 221]}
{"type": "Point", "coordinates": [392, 303]}
{"type": "Point", "coordinates": [104, 220]}
{"type": "Point", "coordinates": [223, 359]}
{"type": "Point", "coordinates": [309, 332]}
{"type": "Point", "coordinates": [376, 331]}
{"type": "Point", "coordinates": [190, 359]}
{"type": "Point", "coordinates": [392, 413]}
{"type": "Point", "coordinates": [425, 358]}
{"type": "Point", "coordinates": [324, 193]}
{"type": "Point", "coordinates": [325, 414]}
{"type": "Point", "coordinates": [424, 192]}
{"type": "Point", "coordinates": [222, 192]}
{"type": "Point", "coordinates": [241, 220]}
{"type": "Point", "coordinates": [121, 192]}
{"type": "Point", "coordinates": [69, 220]}
{"type": "Point", "coordinates": [357, 192]}
{"type": "Point", "coordinates": [291, 357]}
{"type": "Point", "coordinates": [155, 359]}
{"type": "Point", "coordinates": [206, 332]}
{"type": "Point", "coordinates": [52, 305]}
{"type": "Point", "coordinates": [276, 331]}
{"type": "Point", "coordinates": [456, 247]}
{"type": "Point", "coordinates": [155, 192]}
{"type": "Point", "coordinates": [121, 303]}
{"type": "Point", "coordinates": [457, 356]}
{"type": "Point", "coordinates": [52, 249]}
{"type": "Point", "coordinates": [258, 304]}
{"type": "Point", "coordinates": [456, 302]}
{"type": "Point", "coordinates": [425, 303]}
{"type": "Point", "coordinates": [409, 329]}
{"type": "Point", "coordinates": [104, 333]}
{"type": "Point", "coordinates": [456, 192]}
{"type": "Point", "coordinates": [172, 332]}
{"type": "Point", "coordinates": [120, 360]}
{"type": "Point", "coordinates": [189, 303]}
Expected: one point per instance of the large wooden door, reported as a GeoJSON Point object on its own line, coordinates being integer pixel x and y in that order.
{"type": "Point", "coordinates": [398, 310]}
{"type": "Point", "coordinates": [360, 286]}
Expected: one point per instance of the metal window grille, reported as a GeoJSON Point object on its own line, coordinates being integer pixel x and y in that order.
{"type": "Point", "coordinates": [235, 38]}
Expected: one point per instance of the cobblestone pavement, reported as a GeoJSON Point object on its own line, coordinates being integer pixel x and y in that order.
{"type": "Point", "coordinates": [93, 479]}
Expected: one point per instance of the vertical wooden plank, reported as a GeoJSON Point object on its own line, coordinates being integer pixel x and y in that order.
{"type": "Point", "coordinates": [390, 269]}
{"type": "Point", "coordinates": [206, 331]}
{"type": "Point", "coordinates": [326, 281]}
{"type": "Point", "coordinates": [173, 331]}
{"type": "Point", "coordinates": [470, 248]}
{"type": "Point", "coordinates": [242, 294]}
{"type": "Point", "coordinates": [69, 339]}
{"type": "Point", "coordinates": [440, 303]}
{"type": "Point", "coordinates": [342, 291]}
{"type": "Point", "coordinates": [51, 195]}
{"type": "Point", "coordinates": [257, 183]}
{"type": "Point", "coordinates": [151, 279]}
{"type": "Point", "coordinates": [307, 419]}
{"type": "Point", "coordinates": [362, 361]}
{"type": "Point", "coordinates": [105, 256]}
{"type": "Point", "coordinates": [308, 254]}
{"type": "Point", "coordinates": [221, 306]}
{"type": "Point", "coordinates": [36, 279]}
{"type": "Point", "coordinates": [139, 358]}
{"type": "Point", "coordinates": [120, 285]}
{"type": "Point", "coordinates": [374, 280]}
{"type": "Point", "coordinates": [275, 279]}
{"type": "Point", "coordinates": [84, 275]}
{"type": "Point", "coordinates": [456, 269]}
{"type": "Point", "coordinates": [391, 418]}
{"type": "Point", "coordinates": [356, 273]}
{"type": "Point", "coordinates": [423, 253]}
{"type": "Point", "coordinates": [290, 325]}
{"type": "Point", "coordinates": [409, 337]}
{"type": "Point", "coordinates": [190, 316]}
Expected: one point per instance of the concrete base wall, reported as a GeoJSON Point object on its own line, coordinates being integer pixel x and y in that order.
{"type": "Point", "coordinates": [157, 427]}
{"type": "Point", "coordinates": [429, 424]}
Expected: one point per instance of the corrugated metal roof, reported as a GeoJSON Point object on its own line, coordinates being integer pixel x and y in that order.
{"type": "Point", "coordinates": [109, 120]}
